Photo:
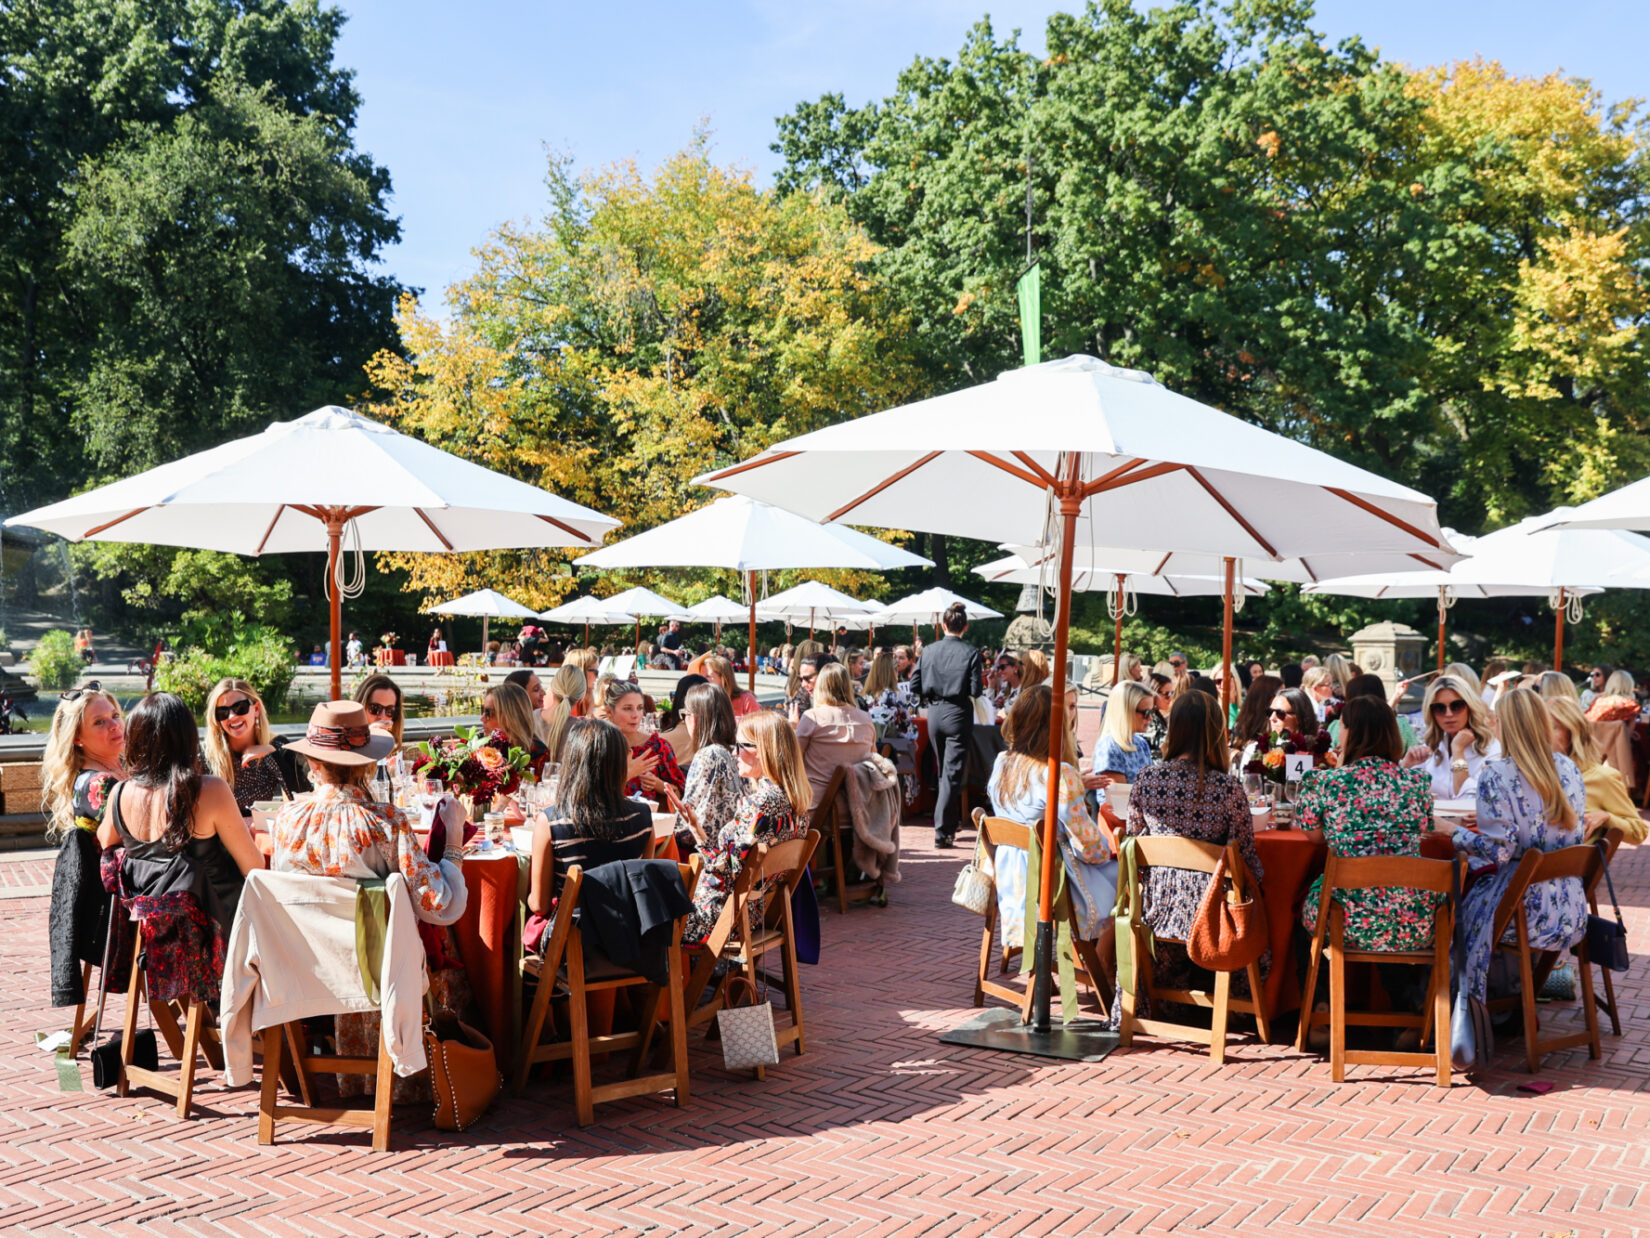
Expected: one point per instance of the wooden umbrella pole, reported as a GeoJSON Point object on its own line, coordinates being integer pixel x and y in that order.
{"type": "Point", "coordinates": [1558, 633]}
{"type": "Point", "coordinates": [485, 632]}
{"type": "Point", "coordinates": [335, 535]}
{"type": "Point", "coordinates": [1117, 641]}
{"type": "Point", "coordinates": [1071, 501]}
{"type": "Point", "coordinates": [638, 649]}
{"type": "Point", "coordinates": [1226, 644]}
{"type": "Point", "coordinates": [750, 671]}
{"type": "Point", "coordinates": [1441, 611]}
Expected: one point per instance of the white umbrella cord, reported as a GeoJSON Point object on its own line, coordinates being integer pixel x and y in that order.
{"type": "Point", "coordinates": [338, 578]}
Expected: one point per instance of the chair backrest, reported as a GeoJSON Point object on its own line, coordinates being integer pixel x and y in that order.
{"type": "Point", "coordinates": [1410, 872]}
{"type": "Point", "coordinates": [1535, 867]}
{"type": "Point", "coordinates": [624, 666]}
{"type": "Point", "coordinates": [780, 862]}
{"type": "Point", "coordinates": [572, 892]}
{"type": "Point", "coordinates": [1001, 832]}
{"type": "Point", "coordinates": [1169, 851]}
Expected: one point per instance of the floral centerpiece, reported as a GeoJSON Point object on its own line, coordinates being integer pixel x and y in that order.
{"type": "Point", "coordinates": [1272, 762]}
{"type": "Point", "coordinates": [481, 765]}
{"type": "Point", "coordinates": [389, 640]}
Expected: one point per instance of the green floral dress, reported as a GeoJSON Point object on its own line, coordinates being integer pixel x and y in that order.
{"type": "Point", "coordinates": [1371, 807]}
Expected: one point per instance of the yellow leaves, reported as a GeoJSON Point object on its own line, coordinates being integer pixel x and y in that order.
{"type": "Point", "coordinates": [1270, 143]}
{"type": "Point", "coordinates": [963, 302]}
{"type": "Point", "coordinates": [1207, 276]}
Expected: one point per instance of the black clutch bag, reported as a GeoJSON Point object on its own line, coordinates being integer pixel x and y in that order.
{"type": "Point", "coordinates": [1607, 939]}
{"type": "Point", "coordinates": [106, 1057]}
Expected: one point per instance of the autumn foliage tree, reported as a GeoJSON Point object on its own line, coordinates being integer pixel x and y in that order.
{"type": "Point", "coordinates": [647, 329]}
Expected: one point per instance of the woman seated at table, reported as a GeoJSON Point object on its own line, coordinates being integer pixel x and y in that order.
{"type": "Point", "coordinates": [1459, 739]}
{"type": "Point", "coordinates": [181, 831]}
{"type": "Point", "coordinates": [1018, 787]}
{"type": "Point", "coordinates": [1124, 750]}
{"type": "Point", "coordinates": [834, 732]}
{"type": "Point", "coordinates": [380, 696]}
{"type": "Point", "coordinates": [507, 710]}
{"type": "Point", "coordinates": [1254, 721]}
{"type": "Point", "coordinates": [652, 764]}
{"type": "Point", "coordinates": [239, 747]}
{"type": "Point", "coordinates": [1190, 795]}
{"type": "Point", "coordinates": [888, 700]}
{"type": "Point", "coordinates": [1371, 685]}
{"type": "Point", "coordinates": [673, 726]}
{"type": "Point", "coordinates": [1532, 799]}
{"type": "Point", "coordinates": [714, 783]}
{"type": "Point", "coordinates": [772, 810]}
{"type": "Point", "coordinates": [84, 758]}
{"type": "Point", "coordinates": [1556, 685]}
{"type": "Point", "coordinates": [564, 700]}
{"type": "Point", "coordinates": [1290, 713]}
{"type": "Point", "coordinates": [1319, 687]}
{"type": "Point", "coordinates": [720, 671]}
{"type": "Point", "coordinates": [595, 824]}
{"type": "Point", "coordinates": [804, 669]}
{"type": "Point", "coordinates": [1609, 804]}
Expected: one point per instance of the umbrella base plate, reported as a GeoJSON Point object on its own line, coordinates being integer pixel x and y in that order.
{"type": "Point", "coordinates": [1081, 1040]}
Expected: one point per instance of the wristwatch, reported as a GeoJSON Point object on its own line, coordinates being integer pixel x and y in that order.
{"type": "Point", "coordinates": [1458, 766]}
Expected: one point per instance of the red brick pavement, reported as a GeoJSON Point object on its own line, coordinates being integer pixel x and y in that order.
{"type": "Point", "coordinates": [878, 1130]}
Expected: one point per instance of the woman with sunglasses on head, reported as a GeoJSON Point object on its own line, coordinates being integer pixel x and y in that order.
{"type": "Point", "coordinates": [714, 782]}
{"type": "Point", "coordinates": [1459, 739]}
{"type": "Point", "coordinates": [1124, 749]}
{"type": "Point", "coordinates": [380, 696]}
{"type": "Point", "coordinates": [85, 755]}
{"type": "Point", "coordinates": [239, 744]}
{"type": "Point", "coordinates": [507, 710]}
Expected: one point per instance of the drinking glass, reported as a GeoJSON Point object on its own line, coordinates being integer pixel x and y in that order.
{"type": "Point", "coordinates": [430, 793]}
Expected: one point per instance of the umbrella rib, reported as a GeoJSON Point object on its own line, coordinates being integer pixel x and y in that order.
{"type": "Point", "coordinates": [264, 541]}
{"type": "Point", "coordinates": [1307, 568]}
{"type": "Point", "coordinates": [109, 524]}
{"type": "Point", "coordinates": [1025, 459]}
{"type": "Point", "coordinates": [1231, 511]}
{"type": "Point", "coordinates": [883, 485]}
{"type": "Point", "coordinates": [1161, 563]}
{"type": "Point", "coordinates": [1104, 482]}
{"type": "Point", "coordinates": [1437, 567]}
{"type": "Point", "coordinates": [440, 536]}
{"type": "Point", "coordinates": [1376, 511]}
{"type": "Point", "coordinates": [562, 525]}
{"type": "Point", "coordinates": [752, 464]}
{"type": "Point", "coordinates": [1039, 477]}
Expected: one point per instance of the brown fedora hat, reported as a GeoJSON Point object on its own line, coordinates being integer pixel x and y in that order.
{"type": "Point", "coordinates": [339, 735]}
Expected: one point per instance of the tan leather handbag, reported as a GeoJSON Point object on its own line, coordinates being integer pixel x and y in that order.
{"type": "Point", "coordinates": [464, 1072]}
{"type": "Point", "coordinates": [1227, 936]}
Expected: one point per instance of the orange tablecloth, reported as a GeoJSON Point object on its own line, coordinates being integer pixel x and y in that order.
{"type": "Point", "coordinates": [486, 935]}
{"type": "Point", "coordinates": [389, 657]}
{"type": "Point", "coordinates": [444, 658]}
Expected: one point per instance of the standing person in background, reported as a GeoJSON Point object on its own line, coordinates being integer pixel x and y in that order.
{"type": "Point", "coordinates": [527, 643]}
{"type": "Point", "coordinates": [354, 653]}
{"type": "Point", "coordinates": [948, 677]}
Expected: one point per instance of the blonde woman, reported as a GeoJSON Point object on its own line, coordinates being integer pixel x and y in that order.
{"type": "Point", "coordinates": [774, 809]}
{"type": "Point", "coordinates": [719, 671]}
{"type": "Point", "coordinates": [1459, 739]}
{"type": "Point", "coordinates": [1620, 683]}
{"type": "Point", "coordinates": [587, 660]}
{"type": "Point", "coordinates": [1556, 685]}
{"type": "Point", "coordinates": [835, 731]}
{"type": "Point", "coordinates": [1319, 686]}
{"type": "Point", "coordinates": [1341, 671]}
{"type": "Point", "coordinates": [566, 699]}
{"type": "Point", "coordinates": [1531, 800]}
{"type": "Point", "coordinates": [1608, 802]}
{"type": "Point", "coordinates": [1468, 676]}
{"type": "Point", "coordinates": [1123, 750]}
{"type": "Point", "coordinates": [85, 756]}
{"type": "Point", "coordinates": [240, 747]}
{"type": "Point", "coordinates": [507, 710]}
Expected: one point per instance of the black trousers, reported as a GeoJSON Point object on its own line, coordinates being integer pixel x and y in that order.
{"type": "Point", "coordinates": [950, 732]}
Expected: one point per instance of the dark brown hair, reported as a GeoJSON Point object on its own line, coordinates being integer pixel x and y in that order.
{"type": "Point", "coordinates": [593, 765]}
{"type": "Point", "coordinates": [713, 720]}
{"type": "Point", "coordinates": [1197, 733]}
{"type": "Point", "coordinates": [163, 750]}
{"type": "Point", "coordinates": [1252, 720]}
{"type": "Point", "coordinates": [955, 619]}
{"type": "Point", "coordinates": [1370, 729]}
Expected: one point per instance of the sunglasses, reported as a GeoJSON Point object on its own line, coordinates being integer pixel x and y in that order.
{"type": "Point", "coordinates": [1143, 713]}
{"type": "Point", "coordinates": [380, 711]}
{"type": "Point", "coordinates": [239, 709]}
{"type": "Point", "coordinates": [1281, 713]}
{"type": "Point", "coordinates": [1448, 707]}
{"type": "Point", "coordinates": [744, 745]}
{"type": "Point", "coordinates": [74, 694]}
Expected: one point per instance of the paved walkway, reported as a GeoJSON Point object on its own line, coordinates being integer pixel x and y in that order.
{"type": "Point", "coordinates": [878, 1130]}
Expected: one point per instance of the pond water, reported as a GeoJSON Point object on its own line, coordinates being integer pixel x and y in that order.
{"type": "Point", "coordinates": [416, 704]}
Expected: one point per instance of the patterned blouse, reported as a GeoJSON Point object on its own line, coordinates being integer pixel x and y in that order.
{"type": "Point", "coordinates": [1371, 807]}
{"type": "Point", "coordinates": [1091, 870]}
{"type": "Point", "coordinates": [341, 832]}
{"type": "Point", "coordinates": [714, 786]}
{"type": "Point", "coordinates": [90, 797]}
{"type": "Point", "coordinates": [891, 710]}
{"type": "Point", "coordinates": [1165, 800]}
{"type": "Point", "coordinates": [764, 816]}
{"type": "Point", "coordinates": [1112, 757]}
{"type": "Point", "coordinates": [256, 783]}
{"type": "Point", "coordinates": [665, 771]}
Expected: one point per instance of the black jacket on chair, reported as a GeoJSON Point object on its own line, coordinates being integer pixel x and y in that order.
{"type": "Point", "coordinates": [79, 916]}
{"type": "Point", "coordinates": [626, 909]}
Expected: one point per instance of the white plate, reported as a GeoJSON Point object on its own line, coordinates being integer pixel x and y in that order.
{"type": "Point", "coordinates": [1453, 808]}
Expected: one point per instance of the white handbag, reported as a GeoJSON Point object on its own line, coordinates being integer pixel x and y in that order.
{"type": "Point", "coordinates": [748, 1039]}
{"type": "Point", "coordinates": [975, 886]}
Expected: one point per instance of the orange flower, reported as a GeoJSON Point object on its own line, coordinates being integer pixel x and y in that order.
{"type": "Point", "coordinates": [1274, 759]}
{"type": "Point", "coordinates": [490, 759]}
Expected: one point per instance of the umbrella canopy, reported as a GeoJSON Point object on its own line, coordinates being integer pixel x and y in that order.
{"type": "Point", "coordinates": [1078, 452]}
{"type": "Point", "coordinates": [814, 603]}
{"type": "Point", "coordinates": [927, 606]}
{"type": "Point", "coordinates": [717, 609]}
{"type": "Point", "coordinates": [640, 601]}
{"type": "Point", "coordinates": [486, 603]}
{"type": "Point", "coordinates": [1293, 569]}
{"type": "Point", "coordinates": [1627, 508]}
{"type": "Point", "coordinates": [748, 537]}
{"type": "Point", "coordinates": [587, 610]}
{"type": "Point", "coordinates": [1015, 570]}
{"type": "Point", "coordinates": [300, 485]}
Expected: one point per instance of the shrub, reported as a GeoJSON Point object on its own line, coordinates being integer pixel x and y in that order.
{"type": "Point", "coordinates": [258, 655]}
{"type": "Point", "coordinates": [55, 662]}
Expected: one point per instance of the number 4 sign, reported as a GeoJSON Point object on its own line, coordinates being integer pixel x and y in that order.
{"type": "Point", "coordinates": [1297, 765]}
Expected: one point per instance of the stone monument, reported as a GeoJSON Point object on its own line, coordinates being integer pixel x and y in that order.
{"type": "Point", "coordinates": [1027, 631]}
{"type": "Point", "coordinates": [1393, 651]}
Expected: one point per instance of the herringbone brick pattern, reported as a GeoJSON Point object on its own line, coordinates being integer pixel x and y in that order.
{"type": "Point", "coordinates": [877, 1130]}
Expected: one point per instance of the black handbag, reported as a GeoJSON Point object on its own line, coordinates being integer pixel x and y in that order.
{"type": "Point", "coordinates": [1606, 939]}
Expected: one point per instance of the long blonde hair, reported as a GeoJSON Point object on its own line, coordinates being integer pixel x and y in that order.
{"type": "Point", "coordinates": [1034, 668]}
{"type": "Point", "coordinates": [1556, 685]}
{"type": "Point", "coordinates": [779, 756]}
{"type": "Point", "coordinates": [64, 761]}
{"type": "Point", "coordinates": [835, 686]}
{"type": "Point", "coordinates": [1121, 705]}
{"type": "Point", "coordinates": [568, 686]}
{"type": "Point", "coordinates": [514, 710]}
{"type": "Point", "coordinates": [1341, 671]}
{"type": "Point", "coordinates": [1620, 683]}
{"type": "Point", "coordinates": [219, 759]}
{"type": "Point", "coordinates": [1583, 747]}
{"type": "Point", "coordinates": [719, 671]}
{"type": "Point", "coordinates": [1468, 676]}
{"type": "Point", "coordinates": [882, 676]}
{"type": "Point", "coordinates": [1478, 715]}
{"type": "Point", "coordinates": [1526, 738]}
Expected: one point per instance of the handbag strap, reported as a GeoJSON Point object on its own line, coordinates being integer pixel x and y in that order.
{"type": "Point", "coordinates": [103, 972]}
{"type": "Point", "coordinates": [1604, 859]}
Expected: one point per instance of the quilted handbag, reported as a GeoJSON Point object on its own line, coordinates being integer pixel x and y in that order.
{"type": "Point", "coordinates": [464, 1072]}
{"type": "Point", "coordinates": [748, 1039]}
{"type": "Point", "coordinates": [1606, 939]}
{"type": "Point", "coordinates": [975, 887]}
{"type": "Point", "coordinates": [1226, 936]}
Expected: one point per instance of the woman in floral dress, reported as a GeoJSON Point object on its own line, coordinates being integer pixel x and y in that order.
{"type": "Point", "coordinates": [1370, 806]}
{"type": "Point", "coordinates": [714, 783]}
{"type": "Point", "coordinates": [1532, 799]}
{"type": "Point", "coordinates": [1190, 795]}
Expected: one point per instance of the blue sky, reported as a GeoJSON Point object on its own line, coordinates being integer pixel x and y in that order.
{"type": "Point", "coordinates": [460, 101]}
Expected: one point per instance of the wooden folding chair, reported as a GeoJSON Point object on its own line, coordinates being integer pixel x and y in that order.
{"type": "Point", "coordinates": [564, 951]}
{"type": "Point", "coordinates": [196, 1040]}
{"type": "Point", "coordinates": [1381, 872]}
{"type": "Point", "coordinates": [1157, 851]}
{"type": "Point", "coordinates": [832, 819]}
{"type": "Point", "coordinates": [1536, 867]}
{"type": "Point", "coordinates": [305, 1064]}
{"type": "Point", "coordinates": [741, 939]}
{"type": "Point", "coordinates": [1612, 839]}
{"type": "Point", "coordinates": [994, 832]}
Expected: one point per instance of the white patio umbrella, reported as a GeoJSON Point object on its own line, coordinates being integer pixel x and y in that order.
{"type": "Point", "coordinates": [744, 536]}
{"type": "Point", "coordinates": [717, 610]}
{"type": "Point", "coordinates": [928, 606]}
{"type": "Point", "coordinates": [488, 604]}
{"type": "Point", "coordinates": [588, 610]}
{"type": "Point", "coordinates": [639, 602]}
{"type": "Point", "coordinates": [811, 601]}
{"type": "Point", "coordinates": [1079, 452]}
{"type": "Point", "coordinates": [305, 485]}
{"type": "Point", "coordinates": [1121, 587]}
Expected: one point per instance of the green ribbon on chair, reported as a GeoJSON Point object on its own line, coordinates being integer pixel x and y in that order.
{"type": "Point", "coordinates": [1060, 909]}
{"type": "Point", "coordinates": [1129, 917]}
{"type": "Point", "coordinates": [372, 918]}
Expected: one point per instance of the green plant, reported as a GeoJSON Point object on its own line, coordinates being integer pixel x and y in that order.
{"type": "Point", "coordinates": [258, 655]}
{"type": "Point", "coordinates": [55, 662]}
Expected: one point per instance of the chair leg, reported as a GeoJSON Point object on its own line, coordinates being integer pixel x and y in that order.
{"type": "Point", "coordinates": [1526, 977]}
{"type": "Point", "coordinates": [128, 1032]}
{"type": "Point", "coordinates": [1440, 1012]}
{"type": "Point", "coordinates": [191, 1047]}
{"type": "Point", "coordinates": [1610, 1001]}
{"type": "Point", "coordinates": [836, 859]}
{"type": "Point", "coordinates": [1589, 1005]}
{"type": "Point", "coordinates": [1310, 992]}
{"type": "Point", "coordinates": [293, 1073]}
{"type": "Point", "coordinates": [584, 1108]}
{"type": "Point", "coordinates": [1337, 999]}
{"type": "Point", "coordinates": [793, 979]}
{"type": "Point", "coordinates": [383, 1095]}
{"type": "Point", "coordinates": [985, 953]}
{"type": "Point", "coordinates": [533, 1030]}
{"type": "Point", "coordinates": [272, 1038]}
{"type": "Point", "coordinates": [1218, 1021]}
{"type": "Point", "coordinates": [77, 1031]}
{"type": "Point", "coordinates": [1257, 995]}
{"type": "Point", "coordinates": [678, 1028]}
